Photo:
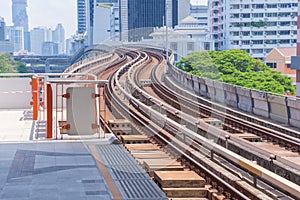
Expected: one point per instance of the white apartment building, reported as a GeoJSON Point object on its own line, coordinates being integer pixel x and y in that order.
{"type": "Point", "coordinates": [256, 26]}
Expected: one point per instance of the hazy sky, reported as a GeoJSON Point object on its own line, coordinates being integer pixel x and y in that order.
{"type": "Point", "coordinates": [46, 13]}
{"type": "Point", "coordinates": [51, 12]}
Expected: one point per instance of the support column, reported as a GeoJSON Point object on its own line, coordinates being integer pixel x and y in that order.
{"type": "Point", "coordinates": [49, 111]}
{"type": "Point", "coordinates": [35, 97]}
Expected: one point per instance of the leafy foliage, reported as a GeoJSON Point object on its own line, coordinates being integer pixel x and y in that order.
{"type": "Point", "coordinates": [8, 65]}
{"type": "Point", "coordinates": [236, 67]}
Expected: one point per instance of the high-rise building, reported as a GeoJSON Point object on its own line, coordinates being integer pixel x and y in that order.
{"type": "Point", "coordinates": [100, 17]}
{"type": "Point", "coordinates": [104, 20]}
{"type": "Point", "coordinates": [19, 13]}
{"type": "Point", "coordinates": [296, 60]}
{"type": "Point", "coordinates": [58, 36]}
{"type": "Point", "coordinates": [20, 19]}
{"type": "Point", "coordinates": [81, 16]}
{"type": "Point", "coordinates": [90, 20]}
{"type": "Point", "coordinates": [200, 12]}
{"type": "Point", "coordinates": [181, 11]}
{"type": "Point", "coordinates": [2, 29]}
{"type": "Point", "coordinates": [138, 18]}
{"type": "Point", "coordinates": [38, 36]}
{"type": "Point", "coordinates": [16, 36]}
{"type": "Point", "coordinates": [256, 27]}
{"type": "Point", "coordinates": [115, 23]}
{"type": "Point", "coordinates": [50, 48]}
{"type": "Point", "coordinates": [5, 45]}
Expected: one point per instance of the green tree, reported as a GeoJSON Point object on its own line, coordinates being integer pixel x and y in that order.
{"type": "Point", "coordinates": [236, 67]}
{"type": "Point", "coordinates": [8, 65]}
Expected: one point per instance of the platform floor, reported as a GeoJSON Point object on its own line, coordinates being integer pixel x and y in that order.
{"type": "Point", "coordinates": [68, 169]}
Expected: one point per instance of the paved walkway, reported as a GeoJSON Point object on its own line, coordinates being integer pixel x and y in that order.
{"type": "Point", "coordinates": [15, 125]}
{"type": "Point", "coordinates": [49, 170]}
{"type": "Point", "coordinates": [40, 169]}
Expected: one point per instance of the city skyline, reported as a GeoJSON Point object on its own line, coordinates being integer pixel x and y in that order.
{"type": "Point", "coordinates": [40, 13]}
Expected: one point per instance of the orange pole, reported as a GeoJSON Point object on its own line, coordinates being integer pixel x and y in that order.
{"type": "Point", "coordinates": [35, 97]}
{"type": "Point", "coordinates": [49, 111]}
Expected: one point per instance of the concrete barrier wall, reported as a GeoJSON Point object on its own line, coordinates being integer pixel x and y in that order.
{"type": "Point", "coordinates": [219, 92]}
{"type": "Point", "coordinates": [244, 99]}
{"type": "Point", "coordinates": [279, 108]}
{"type": "Point", "coordinates": [230, 95]}
{"type": "Point", "coordinates": [260, 103]}
{"type": "Point", "coordinates": [15, 93]}
{"type": "Point", "coordinates": [196, 84]}
{"type": "Point", "coordinates": [294, 111]}
{"type": "Point", "coordinates": [210, 89]}
{"type": "Point", "coordinates": [203, 87]}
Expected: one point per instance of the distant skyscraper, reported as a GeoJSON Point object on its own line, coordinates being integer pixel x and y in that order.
{"type": "Point", "coordinates": [49, 48]}
{"type": "Point", "coordinates": [58, 36]}
{"type": "Point", "coordinates": [2, 29]}
{"type": "Point", "coordinates": [103, 20]}
{"type": "Point", "coordinates": [81, 16]}
{"type": "Point", "coordinates": [20, 19]}
{"type": "Point", "coordinates": [16, 36]}
{"type": "Point", "coordinates": [201, 13]}
{"type": "Point", "coordinates": [19, 13]}
{"type": "Point", "coordinates": [90, 20]}
{"type": "Point", "coordinates": [139, 17]}
{"type": "Point", "coordinates": [38, 36]}
{"type": "Point", "coordinates": [182, 10]}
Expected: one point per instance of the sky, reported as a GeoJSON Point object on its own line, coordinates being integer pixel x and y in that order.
{"type": "Point", "coordinates": [51, 12]}
{"type": "Point", "coordinates": [46, 13]}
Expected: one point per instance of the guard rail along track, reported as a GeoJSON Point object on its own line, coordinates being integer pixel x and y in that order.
{"type": "Point", "coordinates": [153, 114]}
{"type": "Point", "coordinates": [262, 173]}
{"type": "Point", "coordinates": [195, 109]}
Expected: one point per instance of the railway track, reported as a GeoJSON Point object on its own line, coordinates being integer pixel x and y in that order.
{"type": "Point", "coordinates": [122, 96]}
{"type": "Point", "coordinates": [140, 120]}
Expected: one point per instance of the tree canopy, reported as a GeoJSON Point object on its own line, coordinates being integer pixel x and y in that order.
{"type": "Point", "coordinates": [236, 67]}
{"type": "Point", "coordinates": [8, 65]}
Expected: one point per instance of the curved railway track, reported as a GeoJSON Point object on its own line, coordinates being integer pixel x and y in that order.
{"type": "Point", "coordinates": [126, 96]}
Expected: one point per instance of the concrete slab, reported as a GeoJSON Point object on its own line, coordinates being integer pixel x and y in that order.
{"type": "Point", "coordinates": [171, 179]}
{"type": "Point", "coordinates": [141, 147]}
{"type": "Point", "coordinates": [150, 155]}
{"type": "Point", "coordinates": [152, 165]}
{"type": "Point", "coordinates": [185, 192]}
{"type": "Point", "coordinates": [133, 139]}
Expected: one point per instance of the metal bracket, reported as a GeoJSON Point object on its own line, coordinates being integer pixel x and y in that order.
{"type": "Point", "coordinates": [94, 126]}
{"type": "Point", "coordinates": [66, 126]}
{"type": "Point", "coordinates": [95, 95]}
{"type": "Point", "coordinates": [67, 95]}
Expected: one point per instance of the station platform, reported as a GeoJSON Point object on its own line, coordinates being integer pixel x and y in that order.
{"type": "Point", "coordinates": [67, 169]}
